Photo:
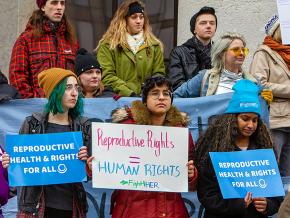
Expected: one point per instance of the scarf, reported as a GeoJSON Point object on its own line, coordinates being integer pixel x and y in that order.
{"type": "Point", "coordinates": [202, 52]}
{"type": "Point", "coordinates": [282, 50]}
{"type": "Point", "coordinates": [135, 41]}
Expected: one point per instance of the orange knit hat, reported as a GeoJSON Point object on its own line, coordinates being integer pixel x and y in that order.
{"type": "Point", "coordinates": [48, 79]}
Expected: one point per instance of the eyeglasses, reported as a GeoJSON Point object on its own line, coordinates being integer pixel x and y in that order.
{"type": "Point", "coordinates": [156, 94]}
{"type": "Point", "coordinates": [238, 50]}
{"type": "Point", "coordinates": [70, 87]}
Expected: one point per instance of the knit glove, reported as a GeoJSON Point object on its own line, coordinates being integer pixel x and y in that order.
{"type": "Point", "coordinates": [133, 94]}
{"type": "Point", "coordinates": [267, 95]}
{"type": "Point", "coordinates": [116, 97]}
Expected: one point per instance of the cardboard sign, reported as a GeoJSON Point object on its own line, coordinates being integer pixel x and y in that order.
{"type": "Point", "coordinates": [140, 157]}
{"type": "Point", "coordinates": [43, 159]}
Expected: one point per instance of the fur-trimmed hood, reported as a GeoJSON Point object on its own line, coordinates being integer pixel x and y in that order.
{"type": "Point", "coordinates": [142, 116]}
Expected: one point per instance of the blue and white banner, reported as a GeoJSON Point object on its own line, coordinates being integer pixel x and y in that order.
{"type": "Point", "coordinates": [13, 113]}
{"type": "Point", "coordinates": [43, 159]}
{"type": "Point", "coordinates": [254, 171]}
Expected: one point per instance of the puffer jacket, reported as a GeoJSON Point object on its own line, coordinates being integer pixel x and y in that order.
{"type": "Point", "coordinates": [272, 71]}
{"type": "Point", "coordinates": [187, 60]}
{"type": "Point", "coordinates": [32, 55]}
{"type": "Point", "coordinates": [126, 72]}
{"type": "Point", "coordinates": [145, 204]}
{"type": "Point", "coordinates": [32, 198]}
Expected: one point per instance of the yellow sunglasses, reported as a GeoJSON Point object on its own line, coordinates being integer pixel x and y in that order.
{"type": "Point", "coordinates": [238, 50]}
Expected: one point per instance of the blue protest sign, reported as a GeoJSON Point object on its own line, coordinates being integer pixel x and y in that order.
{"type": "Point", "coordinates": [253, 171]}
{"type": "Point", "coordinates": [43, 159]}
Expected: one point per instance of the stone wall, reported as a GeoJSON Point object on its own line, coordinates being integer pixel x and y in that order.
{"type": "Point", "coordinates": [247, 17]}
{"type": "Point", "coordinates": [13, 15]}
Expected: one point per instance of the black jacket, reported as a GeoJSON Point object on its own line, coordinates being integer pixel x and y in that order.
{"type": "Point", "coordinates": [107, 93]}
{"type": "Point", "coordinates": [31, 195]}
{"type": "Point", "coordinates": [211, 198]}
{"type": "Point", "coordinates": [7, 91]}
{"type": "Point", "coordinates": [187, 60]}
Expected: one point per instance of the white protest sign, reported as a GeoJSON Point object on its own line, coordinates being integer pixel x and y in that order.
{"type": "Point", "coordinates": [284, 17]}
{"type": "Point", "coordinates": [140, 157]}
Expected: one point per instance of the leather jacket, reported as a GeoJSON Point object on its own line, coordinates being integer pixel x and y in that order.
{"type": "Point", "coordinates": [31, 196]}
{"type": "Point", "coordinates": [187, 60]}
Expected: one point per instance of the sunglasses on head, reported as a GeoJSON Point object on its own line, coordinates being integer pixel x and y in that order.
{"type": "Point", "coordinates": [238, 50]}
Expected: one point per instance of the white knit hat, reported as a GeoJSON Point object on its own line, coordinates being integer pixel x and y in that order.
{"type": "Point", "coordinates": [272, 25]}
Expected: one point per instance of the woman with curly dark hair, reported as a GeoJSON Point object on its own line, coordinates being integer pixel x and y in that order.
{"type": "Point", "coordinates": [155, 109]}
{"type": "Point", "coordinates": [241, 128]}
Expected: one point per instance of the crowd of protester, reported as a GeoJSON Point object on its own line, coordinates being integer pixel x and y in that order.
{"type": "Point", "coordinates": [46, 61]}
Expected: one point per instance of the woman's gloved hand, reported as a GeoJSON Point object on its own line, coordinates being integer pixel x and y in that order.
{"type": "Point", "coordinates": [267, 95]}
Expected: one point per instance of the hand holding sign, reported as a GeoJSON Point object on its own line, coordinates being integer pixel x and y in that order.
{"type": "Point", "coordinates": [248, 199]}
{"type": "Point", "coordinates": [89, 162]}
{"type": "Point", "coordinates": [191, 169]}
{"type": "Point", "coordinates": [83, 153]}
{"type": "Point", "coordinates": [260, 204]}
{"type": "Point", "coordinates": [5, 160]}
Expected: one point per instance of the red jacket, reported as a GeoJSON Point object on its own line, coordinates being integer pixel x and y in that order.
{"type": "Point", "coordinates": [145, 204]}
{"type": "Point", "coordinates": [32, 55]}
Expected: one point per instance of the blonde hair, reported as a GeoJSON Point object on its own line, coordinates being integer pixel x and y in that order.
{"type": "Point", "coordinates": [219, 48]}
{"type": "Point", "coordinates": [277, 35]}
{"type": "Point", "coordinates": [116, 33]}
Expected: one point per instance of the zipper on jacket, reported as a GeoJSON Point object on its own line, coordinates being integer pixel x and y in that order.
{"type": "Point", "coordinates": [55, 46]}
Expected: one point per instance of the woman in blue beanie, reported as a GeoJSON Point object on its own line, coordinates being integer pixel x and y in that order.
{"type": "Point", "coordinates": [240, 128]}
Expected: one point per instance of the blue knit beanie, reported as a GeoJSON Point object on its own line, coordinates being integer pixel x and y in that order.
{"type": "Point", "coordinates": [245, 98]}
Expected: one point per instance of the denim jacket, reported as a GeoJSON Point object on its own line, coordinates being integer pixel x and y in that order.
{"type": "Point", "coordinates": [205, 83]}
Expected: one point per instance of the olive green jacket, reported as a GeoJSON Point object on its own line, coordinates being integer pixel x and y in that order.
{"type": "Point", "coordinates": [124, 71]}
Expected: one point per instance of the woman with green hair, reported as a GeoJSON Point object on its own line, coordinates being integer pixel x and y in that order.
{"type": "Point", "coordinates": [62, 113]}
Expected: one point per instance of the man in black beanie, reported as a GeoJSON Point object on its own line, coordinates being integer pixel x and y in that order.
{"type": "Point", "coordinates": [187, 60]}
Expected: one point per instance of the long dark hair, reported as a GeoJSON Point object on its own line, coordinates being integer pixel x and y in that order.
{"type": "Point", "coordinates": [222, 133]}
{"type": "Point", "coordinates": [37, 18]}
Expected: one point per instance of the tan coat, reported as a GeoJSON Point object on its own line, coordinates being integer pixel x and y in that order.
{"type": "Point", "coordinates": [271, 70]}
{"type": "Point", "coordinates": [284, 210]}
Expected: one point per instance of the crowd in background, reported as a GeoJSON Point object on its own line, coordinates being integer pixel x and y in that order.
{"type": "Point", "coordinates": [46, 61]}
